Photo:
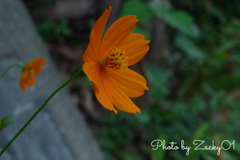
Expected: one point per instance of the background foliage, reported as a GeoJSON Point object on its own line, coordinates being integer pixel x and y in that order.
{"type": "Point", "coordinates": [193, 76]}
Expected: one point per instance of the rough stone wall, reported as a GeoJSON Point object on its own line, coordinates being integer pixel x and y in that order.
{"type": "Point", "coordinates": [59, 132]}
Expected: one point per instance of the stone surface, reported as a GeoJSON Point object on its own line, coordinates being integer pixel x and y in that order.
{"type": "Point", "coordinates": [59, 132]}
{"type": "Point", "coordinates": [63, 9]}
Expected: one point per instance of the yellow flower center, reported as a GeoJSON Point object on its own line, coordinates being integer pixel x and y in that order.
{"type": "Point", "coordinates": [32, 71]}
{"type": "Point", "coordinates": [116, 60]}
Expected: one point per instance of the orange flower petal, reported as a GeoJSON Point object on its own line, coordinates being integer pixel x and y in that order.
{"type": "Point", "coordinates": [38, 66]}
{"type": "Point", "coordinates": [31, 68]}
{"type": "Point", "coordinates": [24, 74]}
{"type": "Point", "coordinates": [89, 55]}
{"type": "Point", "coordinates": [135, 47]}
{"type": "Point", "coordinates": [98, 30]}
{"type": "Point", "coordinates": [92, 70]}
{"type": "Point", "coordinates": [38, 70]}
{"type": "Point", "coordinates": [137, 55]}
{"type": "Point", "coordinates": [116, 33]}
{"type": "Point", "coordinates": [129, 89]}
{"type": "Point", "coordinates": [93, 51]}
{"type": "Point", "coordinates": [23, 85]}
{"type": "Point", "coordinates": [31, 81]}
{"type": "Point", "coordinates": [36, 62]}
{"type": "Point", "coordinates": [40, 62]}
{"type": "Point", "coordinates": [119, 99]}
{"type": "Point", "coordinates": [102, 95]}
{"type": "Point", "coordinates": [129, 78]}
{"type": "Point", "coordinates": [113, 87]}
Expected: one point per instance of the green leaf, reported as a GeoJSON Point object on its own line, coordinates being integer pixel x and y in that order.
{"type": "Point", "coordinates": [201, 131]}
{"type": "Point", "coordinates": [229, 156]}
{"type": "Point", "coordinates": [193, 154]}
{"type": "Point", "coordinates": [208, 155]}
{"type": "Point", "coordinates": [227, 46]}
{"type": "Point", "coordinates": [178, 155]}
{"type": "Point", "coordinates": [160, 9]}
{"type": "Point", "coordinates": [215, 11]}
{"type": "Point", "coordinates": [186, 85]}
{"type": "Point", "coordinates": [182, 21]}
{"type": "Point", "coordinates": [6, 121]}
{"type": "Point", "coordinates": [107, 143]}
{"type": "Point", "coordinates": [237, 147]}
{"type": "Point", "coordinates": [129, 156]}
{"type": "Point", "coordinates": [179, 109]}
{"type": "Point", "coordinates": [160, 153]}
{"type": "Point", "coordinates": [54, 30]}
{"type": "Point", "coordinates": [159, 82]}
{"type": "Point", "coordinates": [217, 100]}
{"type": "Point", "coordinates": [144, 117]}
{"type": "Point", "coordinates": [198, 103]}
{"type": "Point", "coordinates": [178, 19]}
{"type": "Point", "coordinates": [226, 81]}
{"type": "Point", "coordinates": [234, 58]}
{"type": "Point", "coordinates": [138, 8]}
{"type": "Point", "coordinates": [63, 29]}
{"type": "Point", "coordinates": [188, 46]}
{"type": "Point", "coordinates": [143, 31]}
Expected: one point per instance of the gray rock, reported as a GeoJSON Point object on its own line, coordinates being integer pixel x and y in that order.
{"type": "Point", "coordinates": [59, 132]}
{"type": "Point", "coordinates": [63, 9]}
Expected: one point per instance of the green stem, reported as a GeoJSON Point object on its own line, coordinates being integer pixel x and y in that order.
{"type": "Point", "coordinates": [8, 69]}
{"type": "Point", "coordinates": [36, 113]}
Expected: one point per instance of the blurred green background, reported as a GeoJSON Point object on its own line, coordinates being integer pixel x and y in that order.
{"type": "Point", "coordinates": [192, 69]}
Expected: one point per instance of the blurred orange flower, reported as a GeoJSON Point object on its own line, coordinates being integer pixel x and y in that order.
{"type": "Point", "coordinates": [31, 68]}
{"type": "Point", "coordinates": [106, 62]}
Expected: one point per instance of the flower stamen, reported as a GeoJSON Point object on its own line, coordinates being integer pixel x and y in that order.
{"type": "Point", "coordinates": [116, 60]}
{"type": "Point", "coordinates": [32, 71]}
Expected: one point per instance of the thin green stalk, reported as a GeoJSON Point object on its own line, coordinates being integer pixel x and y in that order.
{"type": "Point", "coordinates": [36, 113]}
{"type": "Point", "coordinates": [9, 68]}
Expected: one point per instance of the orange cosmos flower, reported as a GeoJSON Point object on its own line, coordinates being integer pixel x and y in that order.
{"type": "Point", "coordinates": [31, 68]}
{"type": "Point", "coordinates": [106, 62]}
